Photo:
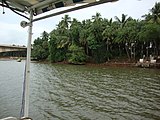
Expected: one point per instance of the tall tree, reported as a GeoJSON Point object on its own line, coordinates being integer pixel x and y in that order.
{"type": "Point", "coordinates": [75, 30]}
{"type": "Point", "coordinates": [154, 15]}
{"type": "Point", "coordinates": [150, 34]}
{"type": "Point", "coordinates": [109, 34]}
{"type": "Point", "coordinates": [121, 37]}
{"type": "Point", "coordinates": [60, 40]}
{"type": "Point", "coordinates": [95, 39]}
{"type": "Point", "coordinates": [40, 47]}
{"type": "Point", "coordinates": [122, 21]}
{"type": "Point", "coordinates": [97, 17]}
{"type": "Point", "coordinates": [155, 11]}
{"type": "Point", "coordinates": [84, 34]}
{"type": "Point", "coordinates": [66, 20]}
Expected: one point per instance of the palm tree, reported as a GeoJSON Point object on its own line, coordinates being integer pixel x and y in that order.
{"type": "Point", "coordinates": [108, 34]}
{"type": "Point", "coordinates": [123, 21]}
{"type": "Point", "coordinates": [45, 36]}
{"type": "Point", "coordinates": [154, 15]}
{"type": "Point", "coordinates": [147, 17]}
{"type": "Point", "coordinates": [66, 20]}
{"type": "Point", "coordinates": [155, 11]}
{"type": "Point", "coordinates": [85, 30]}
{"type": "Point", "coordinates": [96, 27]}
{"type": "Point", "coordinates": [62, 34]}
{"type": "Point", "coordinates": [96, 17]}
{"type": "Point", "coordinates": [75, 29]}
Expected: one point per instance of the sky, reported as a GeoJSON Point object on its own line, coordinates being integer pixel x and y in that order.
{"type": "Point", "coordinates": [12, 33]}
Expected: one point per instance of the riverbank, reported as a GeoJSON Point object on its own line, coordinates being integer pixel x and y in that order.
{"type": "Point", "coordinates": [115, 64]}
{"type": "Point", "coordinates": [106, 64]}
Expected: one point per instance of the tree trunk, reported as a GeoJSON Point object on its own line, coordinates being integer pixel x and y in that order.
{"type": "Point", "coordinates": [119, 47]}
{"type": "Point", "coordinates": [127, 52]}
{"type": "Point", "coordinates": [107, 50]}
{"type": "Point", "coordinates": [86, 47]}
{"type": "Point", "coordinates": [156, 48]}
{"type": "Point", "coordinates": [142, 51]}
{"type": "Point", "coordinates": [147, 53]}
{"type": "Point", "coordinates": [107, 46]}
{"type": "Point", "coordinates": [131, 52]}
{"type": "Point", "coordinates": [154, 51]}
{"type": "Point", "coordinates": [134, 52]}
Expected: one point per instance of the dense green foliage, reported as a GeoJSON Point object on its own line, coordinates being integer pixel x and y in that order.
{"type": "Point", "coordinates": [99, 39]}
{"type": "Point", "coordinates": [40, 47]}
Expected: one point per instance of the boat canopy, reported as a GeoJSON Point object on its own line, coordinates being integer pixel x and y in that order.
{"type": "Point", "coordinates": [42, 6]}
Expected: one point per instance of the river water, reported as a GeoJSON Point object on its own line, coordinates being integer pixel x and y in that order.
{"type": "Point", "coordinates": [66, 92]}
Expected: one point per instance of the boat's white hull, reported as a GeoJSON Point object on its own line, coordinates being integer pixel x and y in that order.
{"type": "Point", "coordinates": [9, 118]}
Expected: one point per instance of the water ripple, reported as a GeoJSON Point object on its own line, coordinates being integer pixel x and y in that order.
{"type": "Point", "coordinates": [66, 92]}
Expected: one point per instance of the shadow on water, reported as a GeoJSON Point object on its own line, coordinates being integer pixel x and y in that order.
{"type": "Point", "coordinates": [66, 92]}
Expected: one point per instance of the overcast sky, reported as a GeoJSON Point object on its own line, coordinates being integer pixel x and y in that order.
{"type": "Point", "coordinates": [12, 33]}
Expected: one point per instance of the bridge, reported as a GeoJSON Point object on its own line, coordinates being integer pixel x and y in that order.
{"type": "Point", "coordinates": [12, 50]}
{"type": "Point", "coordinates": [8, 48]}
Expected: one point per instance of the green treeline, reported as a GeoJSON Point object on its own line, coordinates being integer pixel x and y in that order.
{"type": "Point", "coordinates": [99, 39]}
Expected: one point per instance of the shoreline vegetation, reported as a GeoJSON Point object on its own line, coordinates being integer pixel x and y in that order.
{"type": "Point", "coordinates": [121, 41]}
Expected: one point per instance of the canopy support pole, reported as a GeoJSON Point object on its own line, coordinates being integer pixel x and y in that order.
{"type": "Point", "coordinates": [27, 72]}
